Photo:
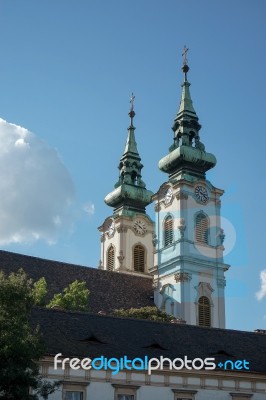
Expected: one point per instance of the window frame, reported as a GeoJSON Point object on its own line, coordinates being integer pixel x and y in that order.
{"type": "Point", "coordinates": [204, 312]}
{"type": "Point", "coordinates": [181, 394]}
{"type": "Point", "coordinates": [80, 387]}
{"type": "Point", "coordinates": [144, 255]}
{"type": "Point", "coordinates": [126, 390]}
{"type": "Point", "coordinates": [74, 391]}
{"type": "Point", "coordinates": [202, 228]}
{"type": "Point", "coordinates": [109, 250]}
{"type": "Point", "coordinates": [168, 231]}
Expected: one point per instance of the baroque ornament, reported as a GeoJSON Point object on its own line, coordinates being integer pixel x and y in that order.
{"type": "Point", "coordinates": [183, 277]}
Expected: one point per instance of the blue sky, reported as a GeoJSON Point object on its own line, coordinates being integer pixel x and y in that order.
{"type": "Point", "coordinates": [67, 71]}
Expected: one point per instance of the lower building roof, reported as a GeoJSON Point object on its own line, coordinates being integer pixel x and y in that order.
{"type": "Point", "coordinates": [89, 335]}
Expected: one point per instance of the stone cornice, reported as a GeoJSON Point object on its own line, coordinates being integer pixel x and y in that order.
{"type": "Point", "coordinates": [75, 383]}
{"type": "Point", "coordinates": [237, 395]}
{"type": "Point", "coordinates": [126, 386]}
{"type": "Point", "coordinates": [194, 261]}
{"type": "Point", "coordinates": [184, 391]}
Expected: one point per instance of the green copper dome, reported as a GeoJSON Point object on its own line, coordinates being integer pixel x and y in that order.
{"type": "Point", "coordinates": [130, 194]}
{"type": "Point", "coordinates": [187, 155]}
{"type": "Point", "coordinates": [187, 159]}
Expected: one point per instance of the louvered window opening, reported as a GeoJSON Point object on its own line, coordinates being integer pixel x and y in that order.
{"type": "Point", "coordinates": [204, 311]}
{"type": "Point", "coordinates": [111, 259]}
{"type": "Point", "coordinates": [139, 258]}
{"type": "Point", "coordinates": [168, 231]}
{"type": "Point", "coordinates": [202, 229]}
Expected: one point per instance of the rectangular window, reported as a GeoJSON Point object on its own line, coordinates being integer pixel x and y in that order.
{"type": "Point", "coordinates": [182, 398]}
{"type": "Point", "coordinates": [125, 392]}
{"type": "Point", "coordinates": [126, 397]}
{"type": "Point", "coordinates": [73, 395]}
{"type": "Point", "coordinates": [184, 394]}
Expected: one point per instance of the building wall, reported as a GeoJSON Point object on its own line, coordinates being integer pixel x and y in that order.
{"type": "Point", "coordinates": [160, 385]}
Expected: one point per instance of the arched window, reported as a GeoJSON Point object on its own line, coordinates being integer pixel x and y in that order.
{"type": "Point", "coordinates": [168, 230]}
{"type": "Point", "coordinates": [139, 258]}
{"type": "Point", "coordinates": [201, 235]}
{"type": "Point", "coordinates": [110, 258]}
{"type": "Point", "coordinates": [204, 311]}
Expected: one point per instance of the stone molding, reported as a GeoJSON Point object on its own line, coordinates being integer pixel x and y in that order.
{"type": "Point", "coordinates": [221, 282]}
{"type": "Point", "coordinates": [240, 396]}
{"type": "Point", "coordinates": [182, 227]}
{"type": "Point", "coordinates": [121, 258]}
{"type": "Point", "coordinates": [182, 277]}
{"type": "Point", "coordinates": [181, 195]}
{"type": "Point", "coordinates": [157, 207]}
{"type": "Point", "coordinates": [122, 228]}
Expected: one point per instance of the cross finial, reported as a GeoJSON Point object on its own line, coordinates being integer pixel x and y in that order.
{"type": "Point", "coordinates": [132, 112]}
{"type": "Point", "coordinates": [132, 98]}
{"type": "Point", "coordinates": [184, 54]}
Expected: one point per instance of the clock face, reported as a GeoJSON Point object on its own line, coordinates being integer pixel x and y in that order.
{"type": "Point", "coordinates": [139, 226]}
{"type": "Point", "coordinates": [201, 194]}
{"type": "Point", "coordinates": [168, 196]}
{"type": "Point", "coordinates": [111, 228]}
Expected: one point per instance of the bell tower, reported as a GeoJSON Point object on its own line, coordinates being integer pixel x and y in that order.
{"type": "Point", "coordinates": [126, 236]}
{"type": "Point", "coordinates": [189, 268]}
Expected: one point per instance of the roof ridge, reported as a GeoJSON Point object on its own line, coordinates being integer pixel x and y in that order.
{"type": "Point", "coordinates": [45, 259]}
{"type": "Point", "coordinates": [68, 263]}
{"type": "Point", "coordinates": [147, 321]}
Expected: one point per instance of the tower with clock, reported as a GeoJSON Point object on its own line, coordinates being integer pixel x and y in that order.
{"type": "Point", "coordinates": [127, 235]}
{"type": "Point", "coordinates": [189, 267]}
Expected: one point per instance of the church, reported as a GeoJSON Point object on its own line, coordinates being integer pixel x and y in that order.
{"type": "Point", "coordinates": [173, 259]}
{"type": "Point", "coordinates": [183, 249]}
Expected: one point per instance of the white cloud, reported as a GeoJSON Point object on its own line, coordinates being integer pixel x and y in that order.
{"type": "Point", "coordinates": [36, 191]}
{"type": "Point", "coordinates": [89, 208]}
{"type": "Point", "coordinates": [262, 292]}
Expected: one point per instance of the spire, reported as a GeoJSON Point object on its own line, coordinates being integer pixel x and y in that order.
{"type": "Point", "coordinates": [187, 152]}
{"type": "Point", "coordinates": [131, 145]}
{"type": "Point", "coordinates": [186, 126]}
{"type": "Point", "coordinates": [130, 194]}
{"type": "Point", "coordinates": [186, 105]}
{"type": "Point", "coordinates": [186, 102]}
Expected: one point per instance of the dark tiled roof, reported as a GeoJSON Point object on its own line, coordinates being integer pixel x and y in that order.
{"type": "Point", "coordinates": [108, 290]}
{"type": "Point", "coordinates": [90, 335]}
